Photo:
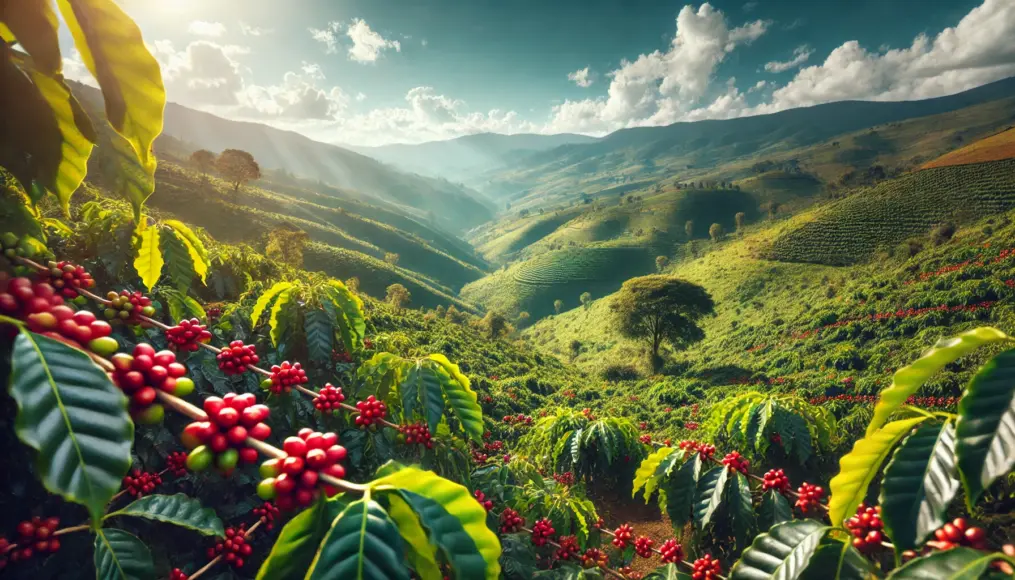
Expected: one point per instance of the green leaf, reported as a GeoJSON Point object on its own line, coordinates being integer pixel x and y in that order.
{"type": "Point", "coordinates": [801, 437]}
{"type": "Point", "coordinates": [196, 249]}
{"type": "Point", "coordinates": [741, 507]}
{"type": "Point", "coordinates": [858, 468]}
{"type": "Point", "coordinates": [297, 543]}
{"type": "Point", "coordinates": [274, 320]}
{"type": "Point", "coordinates": [179, 509]}
{"type": "Point", "coordinates": [265, 299]}
{"type": "Point", "coordinates": [112, 49]}
{"type": "Point", "coordinates": [447, 533]}
{"type": "Point", "coordinates": [420, 553]}
{"type": "Point", "coordinates": [121, 556]}
{"type": "Point", "coordinates": [35, 26]}
{"type": "Point", "coordinates": [317, 326]}
{"type": "Point", "coordinates": [985, 431]}
{"type": "Point", "coordinates": [667, 572]}
{"type": "Point", "coordinates": [774, 509]}
{"type": "Point", "coordinates": [955, 564]}
{"type": "Point", "coordinates": [919, 483]}
{"type": "Point", "coordinates": [781, 554]}
{"type": "Point", "coordinates": [178, 264]}
{"type": "Point", "coordinates": [908, 380]}
{"type": "Point", "coordinates": [70, 412]}
{"type": "Point", "coordinates": [427, 385]}
{"type": "Point", "coordinates": [847, 561]}
{"type": "Point", "coordinates": [757, 435]}
{"type": "Point", "coordinates": [647, 475]}
{"type": "Point", "coordinates": [461, 399]}
{"type": "Point", "coordinates": [351, 306]}
{"type": "Point", "coordinates": [455, 500]}
{"type": "Point", "coordinates": [710, 492]}
{"type": "Point", "coordinates": [679, 491]}
{"type": "Point", "coordinates": [148, 261]}
{"type": "Point", "coordinates": [363, 543]}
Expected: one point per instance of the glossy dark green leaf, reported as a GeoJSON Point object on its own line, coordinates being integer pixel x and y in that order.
{"type": "Point", "coordinates": [667, 572]}
{"type": "Point", "coordinates": [423, 384]}
{"type": "Point", "coordinates": [320, 335]}
{"type": "Point", "coordinates": [121, 556]}
{"type": "Point", "coordinates": [179, 509]}
{"type": "Point", "coordinates": [447, 532]}
{"type": "Point", "coordinates": [709, 495]}
{"type": "Point", "coordinates": [954, 564]}
{"type": "Point", "coordinates": [774, 509]}
{"type": "Point", "coordinates": [840, 556]}
{"type": "Point", "coordinates": [802, 445]}
{"type": "Point", "coordinates": [297, 543]}
{"type": "Point", "coordinates": [70, 412]}
{"type": "Point", "coordinates": [419, 552]}
{"type": "Point", "coordinates": [985, 431]}
{"type": "Point", "coordinates": [783, 553]}
{"type": "Point", "coordinates": [919, 482]}
{"type": "Point", "coordinates": [179, 266]}
{"type": "Point", "coordinates": [680, 490]}
{"type": "Point", "coordinates": [362, 544]}
{"type": "Point", "coordinates": [741, 507]}
{"type": "Point", "coordinates": [461, 399]}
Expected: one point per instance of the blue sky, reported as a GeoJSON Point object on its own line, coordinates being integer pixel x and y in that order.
{"type": "Point", "coordinates": [369, 72]}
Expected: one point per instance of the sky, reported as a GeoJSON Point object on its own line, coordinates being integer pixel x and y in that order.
{"type": "Point", "coordinates": [374, 72]}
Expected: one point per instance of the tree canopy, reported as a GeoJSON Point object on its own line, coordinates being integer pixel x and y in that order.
{"type": "Point", "coordinates": [238, 167]}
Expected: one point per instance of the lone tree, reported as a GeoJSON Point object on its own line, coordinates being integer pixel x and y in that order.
{"type": "Point", "coordinates": [558, 305]}
{"type": "Point", "coordinates": [661, 263]}
{"type": "Point", "coordinates": [715, 232]}
{"type": "Point", "coordinates": [204, 160]}
{"type": "Point", "coordinates": [286, 243]}
{"type": "Point", "coordinates": [586, 299]}
{"type": "Point", "coordinates": [575, 349]}
{"type": "Point", "coordinates": [740, 218]}
{"type": "Point", "coordinates": [398, 296]}
{"type": "Point", "coordinates": [661, 309]}
{"type": "Point", "coordinates": [495, 324]}
{"type": "Point", "coordinates": [689, 229]}
{"type": "Point", "coordinates": [238, 167]}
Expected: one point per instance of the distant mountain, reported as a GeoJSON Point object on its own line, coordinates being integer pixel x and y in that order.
{"type": "Point", "coordinates": [466, 156]}
{"type": "Point", "coordinates": [454, 206]}
{"type": "Point", "coordinates": [688, 148]}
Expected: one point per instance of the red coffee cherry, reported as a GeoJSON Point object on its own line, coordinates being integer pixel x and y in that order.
{"type": "Point", "coordinates": [141, 483]}
{"type": "Point", "coordinates": [66, 278]}
{"type": "Point", "coordinates": [233, 359]}
{"type": "Point", "coordinates": [810, 496]}
{"type": "Point", "coordinates": [622, 536]}
{"type": "Point", "coordinates": [370, 411]}
{"type": "Point", "coordinates": [235, 548]}
{"type": "Point", "coordinates": [187, 335]}
{"type": "Point", "coordinates": [672, 552]}
{"type": "Point", "coordinates": [643, 546]}
{"type": "Point", "coordinates": [295, 480]}
{"type": "Point", "coordinates": [329, 399]}
{"type": "Point", "coordinates": [176, 463]}
{"type": "Point", "coordinates": [510, 521]}
{"type": "Point", "coordinates": [775, 479]}
{"type": "Point", "coordinates": [542, 531]}
{"type": "Point", "coordinates": [706, 568]}
{"type": "Point", "coordinates": [568, 549]}
{"type": "Point", "coordinates": [285, 376]}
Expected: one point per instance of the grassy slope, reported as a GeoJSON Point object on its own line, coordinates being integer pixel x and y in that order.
{"type": "Point", "coordinates": [993, 148]}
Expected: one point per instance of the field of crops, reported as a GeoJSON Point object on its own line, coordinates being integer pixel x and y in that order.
{"type": "Point", "coordinates": [853, 229]}
{"type": "Point", "coordinates": [583, 265]}
{"type": "Point", "coordinates": [993, 148]}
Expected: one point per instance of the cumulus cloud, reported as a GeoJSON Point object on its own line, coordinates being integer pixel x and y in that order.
{"type": "Point", "coordinates": [800, 56]}
{"type": "Point", "coordinates": [249, 30]}
{"type": "Point", "coordinates": [581, 77]}
{"type": "Point", "coordinates": [367, 45]}
{"type": "Point", "coordinates": [327, 36]}
{"type": "Point", "coordinates": [758, 86]}
{"type": "Point", "coordinates": [204, 72]}
{"type": "Point", "coordinates": [202, 28]}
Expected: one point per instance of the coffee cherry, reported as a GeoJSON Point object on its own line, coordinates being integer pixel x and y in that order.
{"type": "Point", "coordinates": [866, 528]}
{"type": "Point", "coordinates": [481, 498]}
{"type": "Point", "coordinates": [177, 574]}
{"type": "Point", "coordinates": [329, 399]}
{"type": "Point", "coordinates": [187, 335]}
{"type": "Point", "coordinates": [706, 568]}
{"type": "Point", "coordinates": [176, 463]}
{"type": "Point", "coordinates": [568, 549]}
{"type": "Point", "coordinates": [645, 439]}
{"type": "Point", "coordinates": [267, 512]}
{"type": "Point", "coordinates": [235, 548]}
{"type": "Point", "coordinates": [143, 372]}
{"type": "Point", "coordinates": [36, 536]}
{"type": "Point", "coordinates": [959, 533]}
{"type": "Point", "coordinates": [734, 462]}
{"type": "Point", "coordinates": [775, 479]}
{"type": "Point", "coordinates": [231, 420]}
{"type": "Point", "coordinates": [67, 278]}
{"type": "Point", "coordinates": [293, 481]}
{"type": "Point", "coordinates": [566, 479]}
{"type": "Point", "coordinates": [510, 521]}
{"type": "Point", "coordinates": [234, 359]}
{"type": "Point", "coordinates": [141, 483]}
{"type": "Point", "coordinates": [593, 558]}
{"type": "Point", "coordinates": [810, 496]}
{"type": "Point", "coordinates": [643, 546]}
{"type": "Point", "coordinates": [128, 307]}
{"type": "Point", "coordinates": [622, 536]}
{"type": "Point", "coordinates": [370, 411]}
{"type": "Point", "coordinates": [285, 376]}
{"type": "Point", "coordinates": [416, 434]}
{"type": "Point", "coordinates": [672, 552]}
{"type": "Point", "coordinates": [542, 531]}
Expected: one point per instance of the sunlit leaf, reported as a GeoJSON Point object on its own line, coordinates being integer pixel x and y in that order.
{"type": "Point", "coordinates": [121, 556]}
{"type": "Point", "coordinates": [149, 261]}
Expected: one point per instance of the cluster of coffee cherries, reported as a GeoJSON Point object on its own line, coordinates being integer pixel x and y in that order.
{"type": "Point", "coordinates": [268, 512]}
{"type": "Point", "coordinates": [622, 536]}
{"type": "Point", "coordinates": [568, 549]}
{"type": "Point", "coordinates": [595, 558]}
{"type": "Point", "coordinates": [705, 450]}
{"type": "Point", "coordinates": [222, 438]}
{"type": "Point", "coordinates": [565, 479]}
{"type": "Point", "coordinates": [479, 457]}
{"type": "Point", "coordinates": [213, 313]}
{"type": "Point", "coordinates": [775, 479]}
{"type": "Point", "coordinates": [629, 573]}
{"type": "Point", "coordinates": [143, 372]}
{"type": "Point", "coordinates": [643, 426]}
{"type": "Point", "coordinates": [233, 359]}
{"type": "Point", "coordinates": [542, 531]}
{"type": "Point", "coordinates": [671, 552]}
{"type": "Point", "coordinates": [294, 480]}
{"type": "Point", "coordinates": [285, 376]}
{"type": "Point", "coordinates": [128, 307]}
{"type": "Point", "coordinates": [177, 574]}
{"type": "Point", "coordinates": [34, 537]}
{"type": "Point", "coordinates": [66, 278]}
{"type": "Point", "coordinates": [187, 335]}
{"type": "Point", "coordinates": [706, 568]}
{"type": "Point", "coordinates": [176, 463]}
{"type": "Point", "coordinates": [416, 434]}
{"type": "Point", "coordinates": [510, 521]}
{"type": "Point", "coordinates": [371, 411]}
{"type": "Point", "coordinates": [481, 498]}
{"type": "Point", "coordinates": [866, 527]}
{"type": "Point", "coordinates": [643, 546]}
{"type": "Point", "coordinates": [494, 447]}
{"type": "Point", "coordinates": [958, 532]}
{"type": "Point", "coordinates": [234, 549]}
{"type": "Point", "coordinates": [810, 496]}
{"type": "Point", "coordinates": [141, 483]}
{"type": "Point", "coordinates": [734, 462]}
{"type": "Point", "coordinates": [646, 439]}
{"type": "Point", "coordinates": [518, 419]}
{"type": "Point", "coordinates": [79, 329]}
{"type": "Point", "coordinates": [13, 248]}
{"type": "Point", "coordinates": [329, 399]}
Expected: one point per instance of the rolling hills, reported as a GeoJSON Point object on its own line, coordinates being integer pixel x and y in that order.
{"type": "Point", "coordinates": [993, 148]}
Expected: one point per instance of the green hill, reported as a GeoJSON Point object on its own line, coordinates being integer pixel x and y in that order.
{"type": "Point", "coordinates": [855, 228]}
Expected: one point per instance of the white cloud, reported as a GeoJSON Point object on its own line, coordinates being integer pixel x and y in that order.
{"type": "Point", "coordinates": [202, 28]}
{"type": "Point", "coordinates": [327, 36]}
{"type": "Point", "coordinates": [581, 77]}
{"type": "Point", "coordinates": [749, 6]}
{"type": "Point", "coordinates": [758, 86]}
{"type": "Point", "coordinates": [204, 73]}
{"type": "Point", "coordinates": [661, 87]}
{"type": "Point", "coordinates": [249, 30]}
{"type": "Point", "coordinates": [360, 97]}
{"type": "Point", "coordinates": [74, 68]}
{"type": "Point", "coordinates": [367, 45]}
{"type": "Point", "coordinates": [800, 56]}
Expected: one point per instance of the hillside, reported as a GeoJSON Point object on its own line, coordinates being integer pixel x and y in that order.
{"type": "Point", "coordinates": [454, 206]}
{"type": "Point", "coordinates": [465, 157]}
{"type": "Point", "coordinates": [993, 148]}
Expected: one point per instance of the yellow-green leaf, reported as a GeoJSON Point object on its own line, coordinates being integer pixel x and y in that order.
{"type": "Point", "coordinates": [909, 379]}
{"type": "Point", "coordinates": [276, 311]}
{"type": "Point", "coordinates": [646, 472]}
{"type": "Point", "coordinates": [148, 261]}
{"type": "Point", "coordinates": [196, 249]}
{"type": "Point", "coordinates": [419, 553]}
{"type": "Point", "coordinates": [114, 52]}
{"type": "Point", "coordinates": [858, 467]}
{"type": "Point", "coordinates": [35, 26]}
{"type": "Point", "coordinates": [265, 299]}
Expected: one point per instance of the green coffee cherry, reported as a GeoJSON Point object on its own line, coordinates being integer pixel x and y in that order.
{"type": "Point", "coordinates": [266, 489]}
{"type": "Point", "coordinates": [200, 458]}
{"type": "Point", "coordinates": [184, 387]}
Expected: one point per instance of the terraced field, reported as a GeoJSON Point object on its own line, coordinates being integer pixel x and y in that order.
{"type": "Point", "coordinates": [854, 229]}
{"type": "Point", "coordinates": [993, 148]}
{"type": "Point", "coordinates": [579, 265]}
{"type": "Point", "coordinates": [528, 231]}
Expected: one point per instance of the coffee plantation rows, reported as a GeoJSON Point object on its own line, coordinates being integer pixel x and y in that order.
{"type": "Point", "coordinates": [582, 265]}
{"type": "Point", "coordinates": [853, 229]}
